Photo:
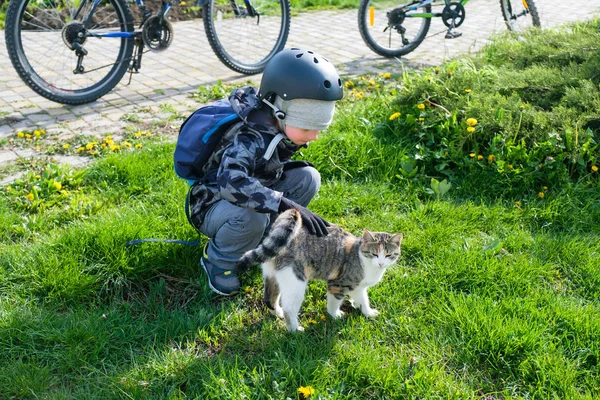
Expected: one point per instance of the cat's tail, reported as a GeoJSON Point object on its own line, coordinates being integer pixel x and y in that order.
{"type": "Point", "coordinates": [283, 230]}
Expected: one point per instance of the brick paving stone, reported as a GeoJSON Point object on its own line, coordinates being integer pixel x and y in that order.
{"type": "Point", "coordinates": [170, 76]}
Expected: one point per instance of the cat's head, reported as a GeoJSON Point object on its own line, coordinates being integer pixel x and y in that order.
{"type": "Point", "coordinates": [381, 249]}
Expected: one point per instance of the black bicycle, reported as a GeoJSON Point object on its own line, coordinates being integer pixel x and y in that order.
{"type": "Point", "coordinates": [76, 51]}
{"type": "Point", "coordinates": [392, 30]}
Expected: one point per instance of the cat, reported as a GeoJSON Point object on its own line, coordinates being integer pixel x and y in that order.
{"type": "Point", "coordinates": [290, 257]}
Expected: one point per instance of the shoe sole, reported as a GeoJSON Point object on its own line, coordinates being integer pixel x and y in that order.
{"type": "Point", "coordinates": [214, 289]}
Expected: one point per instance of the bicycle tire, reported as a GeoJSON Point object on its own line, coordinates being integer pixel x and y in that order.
{"type": "Point", "coordinates": [513, 13]}
{"type": "Point", "coordinates": [242, 42]}
{"type": "Point", "coordinates": [36, 40]}
{"type": "Point", "coordinates": [371, 11]}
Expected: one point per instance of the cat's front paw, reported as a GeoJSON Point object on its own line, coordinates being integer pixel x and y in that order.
{"type": "Point", "coordinates": [370, 312]}
{"type": "Point", "coordinates": [278, 312]}
{"type": "Point", "coordinates": [336, 314]}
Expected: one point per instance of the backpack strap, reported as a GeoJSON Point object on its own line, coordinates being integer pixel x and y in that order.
{"type": "Point", "coordinates": [273, 145]}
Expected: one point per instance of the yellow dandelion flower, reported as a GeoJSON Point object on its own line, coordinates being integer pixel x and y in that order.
{"type": "Point", "coordinates": [446, 153]}
{"type": "Point", "coordinates": [103, 145]}
{"type": "Point", "coordinates": [323, 318]}
{"type": "Point", "coordinates": [471, 121]}
{"type": "Point", "coordinates": [421, 119]}
{"type": "Point", "coordinates": [21, 134]}
{"type": "Point", "coordinates": [371, 82]}
{"type": "Point", "coordinates": [421, 106]}
{"type": "Point", "coordinates": [491, 158]}
{"type": "Point", "coordinates": [348, 84]}
{"type": "Point", "coordinates": [66, 193]}
{"type": "Point", "coordinates": [28, 136]}
{"type": "Point", "coordinates": [138, 134]}
{"type": "Point", "coordinates": [183, 3]}
{"type": "Point", "coordinates": [472, 155]}
{"type": "Point", "coordinates": [545, 188]}
{"type": "Point", "coordinates": [8, 188]}
{"type": "Point", "coordinates": [139, 146]}
{"type": "Point", "coordinates": [359, 95]}
{"type": "Point", "coordinates": [306, 391]}
{"type": "Point", "coordinates": [470, 129]}
{"type": "Point", "coordinates": [594, 168]}
{"type": "Point", "coordinates": [387, 75]}
{"type": "Point", "coordinates": [518, 203]}
{"type": "Point", "coordinates": [312, 321]}
{"type": "Point", "coordinates": [37, 133]}
{"type": "Point", "coordinates": [114, 147]}
{"type": "Point", "coordinates": [30, 197]}
{"type": "Point", "coordinates": [541, 195]}
{"type": "Point", "coordinates": [480, 157]}
{"type": "Point", "coordinates": [38, 148]}
{"type": "Point", "coordinates": [468, 90]}
{"type": "Point", "coordinates": [90, 146]}
{"type": "Point", "coordinates": [127, 144]}
{"type": "Point", "coordinates": [436, 70]}
{"type": "Point", "coordinates": [66, 146]}
{"type": "Point", "coordinates": [394, 116]}
{"type": "Point", "coordinates": [80, 149]}
{"type": "Point", "coordinates": [57, 185]}
{"type": "Point", "coordinates": [510, 166]}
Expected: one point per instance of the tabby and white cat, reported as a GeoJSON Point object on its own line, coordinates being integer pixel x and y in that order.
{"type": "Point", "coordinates": [290, 257]}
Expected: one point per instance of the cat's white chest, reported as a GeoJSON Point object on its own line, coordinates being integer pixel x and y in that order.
{"type": "Point", "coordinates": [372, 276]}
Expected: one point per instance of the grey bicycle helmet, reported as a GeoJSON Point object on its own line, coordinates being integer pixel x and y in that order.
{"type": "Point", "coordinates": [300, 74]}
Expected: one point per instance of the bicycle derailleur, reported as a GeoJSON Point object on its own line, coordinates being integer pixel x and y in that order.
{"type": "Point", "coordinates": [453, 16]}
{"type": "Point", "coordinates": [395, 19]}
{"type": "Point", "coordinates": [74, 36]}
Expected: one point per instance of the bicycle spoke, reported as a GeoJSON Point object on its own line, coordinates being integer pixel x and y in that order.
{"type": "Point", "coordinates": [519, 14]}
{"type": "Point", "coordinates": [61, 59]}
{"type": "Point", "coordinates": [244, 42]}
{"type": "Point", "coordinates": [389, 29]}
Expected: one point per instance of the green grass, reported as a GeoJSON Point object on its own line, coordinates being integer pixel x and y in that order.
{"type": "Point", "coordinates": [496, 294]}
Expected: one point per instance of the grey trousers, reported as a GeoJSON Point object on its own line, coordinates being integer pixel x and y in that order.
{"type": "Point", "coordinates": [234, 230]}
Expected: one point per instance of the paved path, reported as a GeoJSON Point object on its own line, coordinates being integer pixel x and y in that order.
{"type": "Point", "coordinates": [167, 78]}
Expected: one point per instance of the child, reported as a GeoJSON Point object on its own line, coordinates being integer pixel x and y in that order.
{"type": "Point", "coordinates": [250, 179]}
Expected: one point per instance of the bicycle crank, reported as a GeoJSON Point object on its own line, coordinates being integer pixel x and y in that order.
{"type": "Point", "coordinates": [453, 15]}
{"type": "Point", "coordinates": [157, 34]}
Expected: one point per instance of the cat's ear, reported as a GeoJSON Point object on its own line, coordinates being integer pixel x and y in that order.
{"type": "Point", "coordinates": [396, 239]}
{"type": "Point", "coordinates": [368, 236]}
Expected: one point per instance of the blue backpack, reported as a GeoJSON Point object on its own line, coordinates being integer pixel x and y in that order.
{"type": "Point", "coordinates": [199, 136]}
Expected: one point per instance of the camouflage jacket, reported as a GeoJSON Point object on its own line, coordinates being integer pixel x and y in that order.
{"type": "Point", "coordinates": [242, 170]}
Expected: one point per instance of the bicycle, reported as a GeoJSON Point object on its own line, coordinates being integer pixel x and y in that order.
{"type": "Point", "coordinates": [393, 30]}
{"type": "Point", "coordinates": [75, 51]}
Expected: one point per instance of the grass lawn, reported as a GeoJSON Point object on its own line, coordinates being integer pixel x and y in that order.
{"type": "Point", "coordinates": [487, 165]}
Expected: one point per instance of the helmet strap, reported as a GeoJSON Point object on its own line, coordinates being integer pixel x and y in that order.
{"type": "Point", "coordinates": [278, 113]}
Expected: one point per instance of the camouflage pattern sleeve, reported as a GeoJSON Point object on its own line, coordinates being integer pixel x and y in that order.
{"type": "Point", "coordinates": [235, 178]}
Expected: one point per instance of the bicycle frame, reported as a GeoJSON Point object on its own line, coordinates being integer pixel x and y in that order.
{"type": "Point", "coordinates": [127, 35]}
{"type": "Point", "coordinates": [166, 6]}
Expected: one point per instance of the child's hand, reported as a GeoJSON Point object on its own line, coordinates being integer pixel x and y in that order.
{"type": "Point", "coordinates": [314, 224]}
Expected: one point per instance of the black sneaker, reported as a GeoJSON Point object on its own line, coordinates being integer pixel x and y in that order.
{"type": "Point", "coordinates": [221, 281]}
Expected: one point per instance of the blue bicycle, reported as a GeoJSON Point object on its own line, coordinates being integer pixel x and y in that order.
{"type": "Point", "coordinates": [76, 51]}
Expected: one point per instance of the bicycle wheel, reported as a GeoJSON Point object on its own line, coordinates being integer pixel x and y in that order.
{"type": "Point", "coordinates": [40, 37]}
{"type": "Point", "coordinates": [244, 35]}
{"type": "Point", "coordinates": [519, 14]}
{"type": "Point", "coordinates": [389, 29]}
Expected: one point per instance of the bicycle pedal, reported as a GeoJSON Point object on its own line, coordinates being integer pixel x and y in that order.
{"type": "Point", "coordinates": [453, 35]}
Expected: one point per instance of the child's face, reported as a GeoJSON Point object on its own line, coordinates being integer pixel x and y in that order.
{"type": "Point", "coordinates": [301, 136]}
